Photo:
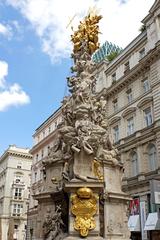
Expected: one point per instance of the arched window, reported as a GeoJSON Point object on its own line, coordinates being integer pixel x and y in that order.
{"type": "Point", "coordinates": [134, 162]}
{"type": "Point", "coordinates": [152, 157]}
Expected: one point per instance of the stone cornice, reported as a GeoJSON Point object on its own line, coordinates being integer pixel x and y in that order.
{"type": "Point", "coordinates": [48, 120]}
{"type": "Point", "coordinates": [128, 105]}
{"type": "Point", "coordinates": [128, 111]}
{"type": "Point", "coordinates": [16, 154]}
{"type": "Point", "coordinates": [135, 72]}
{"type": "Point", "coordinates": [145, 134]}
{"type": "Point", "coordinates": [133, 182]}
{"type": "Point", "coordinates": [152, 10]}
{"type": "Point", "coordinates": [127, 51]}
{"type": "Point", "coordinates": [144, 101]}
{"type": "Point", "coordinates": [43, 142]}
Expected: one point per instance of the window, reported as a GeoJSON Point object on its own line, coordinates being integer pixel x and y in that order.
{"type": "Point", "coordinates": [56, 123]}
{"type": "Point", "coordinates": [17, 209]}
{"type": "Point", "coordinates": [113, 77]}
{"type": "Point", "coordinates": [42, 153]}
{"type": "Point", "coordinates": [130, 126]}
{"type": "Point", "coordinates": [146, 85]}
{"type": "Point", "coordinates": [43, 134]}
{"type": "Point", "coordinates": [126, 66]}
{"type": "Point", "coordinates": [152, 157]}
{"type": "Point", "coordinates": [36, 157]}
{"type": "Point", "coordinates": [49, 129]}
{"type": "Point", "coordinates": [148, 117]}
{"type": "Point", "coordinates": [115, 105]}
{"type": "Point", "coordinates": [35, 176]}
{"type": "Point", "coordinates": [141, 53]}
{"type": "Point", "coordinates": [18, 193]}
{"type": "Point", "coordinates": [134, 162]}
{"type": "Point", "coordinates": [48, 150]}
{"type": "Point", "coordinates": [129, 95]}
{"type": "Point", "coordinates": [19, 165]}
{"type": "Point", "coordinates": [116, 133]}
{"type": "Point", "coordinates": [16, 226]}
{"type": "Point", "coordinates": [18, 178]}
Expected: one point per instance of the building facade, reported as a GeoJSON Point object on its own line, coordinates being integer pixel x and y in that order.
{"type": "Point", "coordinates": [15, 169]}
{"type": "Point", "coordinates": [131, 85]}
{"type": "Point", "coordinates": [41, 185]}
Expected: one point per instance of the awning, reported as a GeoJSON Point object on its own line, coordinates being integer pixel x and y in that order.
{"type": "Point", "coordinates": [153, 222]}
{"type": "Point", "coordinates": [134, 223]}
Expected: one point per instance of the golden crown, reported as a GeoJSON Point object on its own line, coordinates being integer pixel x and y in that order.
{"type": "Point", "coordinates": [84, 192]}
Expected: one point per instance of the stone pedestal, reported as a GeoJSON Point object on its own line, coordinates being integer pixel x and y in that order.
{"type": "Point", "coordinates": [71, 188]}
{"type": "Point", "coordinates": [115, 205]}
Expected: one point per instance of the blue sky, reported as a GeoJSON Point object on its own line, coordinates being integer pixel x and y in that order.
{"type": "Point", "coordinates": [35, 56]}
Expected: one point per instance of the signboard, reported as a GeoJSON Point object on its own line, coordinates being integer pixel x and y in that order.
{"type": "Point", "coordinates": [134, 206]}
{"type": "Point", "coordinates": [153, 222]}
{"type": "Point", "coordinates": [134, 223]}
{"type": "Point", "coordinates": [155, 191]}
{"type": "Point", "coordinates": [143, 219]}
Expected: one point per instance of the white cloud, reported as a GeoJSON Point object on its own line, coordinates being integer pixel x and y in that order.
{"type": "Point", "coordinates": [5, 30]}
{"type": "Point", "coordinates": [3, 73]}
{"type": "Point", "coordinates": [49, 18]}
{"type": "Point", "coordinates": [10, 95]}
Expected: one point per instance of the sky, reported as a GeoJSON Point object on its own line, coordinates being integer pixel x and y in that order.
{"type": "Point", "coordinates": [35, 50]}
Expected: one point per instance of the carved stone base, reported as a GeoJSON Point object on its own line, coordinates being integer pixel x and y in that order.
{"type": "Point", "coordinates": [115, 205]}
{"type": "Point", "coordinates": [115, 215]}
{"type": "Point", "coordinates": [88, 238]}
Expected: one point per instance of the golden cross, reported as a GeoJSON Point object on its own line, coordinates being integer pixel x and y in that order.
{"type": "Point", "coordinates": [71, 20]}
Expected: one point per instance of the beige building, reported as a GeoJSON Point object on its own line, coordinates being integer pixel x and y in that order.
{"type": "Point", "coordinates": [131, 85]}
{"type": "Point", "coordinates": [41, 185]}
{"type": "Point", "coordinates": [15, 165]}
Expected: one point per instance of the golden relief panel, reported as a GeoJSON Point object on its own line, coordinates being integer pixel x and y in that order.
{"type": "Point", "coordinates": [84, 207]}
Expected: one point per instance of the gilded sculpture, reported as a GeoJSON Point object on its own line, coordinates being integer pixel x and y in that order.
{"type": "Point", "coordinates": [84, 207]}
{"type": "Point", "coordinates": [87, 34]}
{"type": "Point", "coordinates": [83, 147]}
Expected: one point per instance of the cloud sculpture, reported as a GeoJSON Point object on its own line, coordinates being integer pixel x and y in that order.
{"type": "Point", "coordinates": [10, 95]}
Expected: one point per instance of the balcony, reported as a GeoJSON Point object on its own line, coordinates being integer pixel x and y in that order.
{"type": "Point", "coordinates": [17, 198]}
{"type": "Point", "coordinates": [18, 182]}
{"type": "Point", "coordinates": [16, 214]}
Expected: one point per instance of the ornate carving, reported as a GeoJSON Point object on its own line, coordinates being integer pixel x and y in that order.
{"type": "Point", "coordinates": [52, 226]}
{"type": "Point", "coordinates": [87, 34]}
{"type": "Point", "coordinates": [97, 169]}
{"type": "Point", "coordinates": [84, 207]}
